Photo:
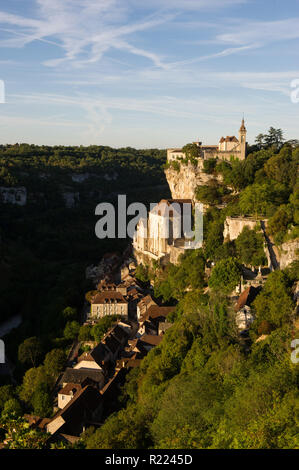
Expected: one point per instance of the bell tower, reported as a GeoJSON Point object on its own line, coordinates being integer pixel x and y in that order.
{"type": "Point", "coordinates": [242, 140]}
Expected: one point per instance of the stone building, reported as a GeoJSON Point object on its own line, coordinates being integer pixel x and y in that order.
{"type": "Point", "coordinates": [108, 303]}
{"type": "Point", "coordinates": [227, 147]}
{"type": "Point", "coordinates": [161, 236]}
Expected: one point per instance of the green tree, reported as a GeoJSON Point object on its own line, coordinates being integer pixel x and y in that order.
{"type": "Point", "coordinates": [84, 333]}
{"type": "Point", "coordinates": [69, 313]}
{"type": "Point", "coordinates": [6, 393]}
{"type": "Point", "coordinates": [255, 199]}
{"type": "Point", "coordinates": [32, 379]}
{"type": "Point", "coordinates": [55, 362]}
{"type": "Point", "coordinates": [142, 273]}
{"type": "Point", "coordinates": [71, 330]}
{"type": "Point", "coordinates": [209, 194]}
{"type": "Point", "coordinates": [192, 151]}
{"type": "Point", "coordinates": [225, 275]}
{"type": "Point", "coordinates": [209, 165]}
{"type": "Point", "coordinates": [19, 435]}
{"type": "Point", "coordinates": [280, 222]}
{"type": "Point", "coordinates": [12, 406]}
{"type": "Point", "coordinates": [250, 247]}
{"type": "Point", "coordinates": [30, 351]}
{"type": "Point", "coordinates": [274, 304]}
{"type": "Point", "coordinates": [102, 326]}
{"type": "Point", "coordinates": [41, 401]}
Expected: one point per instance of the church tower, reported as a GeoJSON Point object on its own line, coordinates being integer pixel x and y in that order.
{"type": "Point", "coordinates": [242, 140]}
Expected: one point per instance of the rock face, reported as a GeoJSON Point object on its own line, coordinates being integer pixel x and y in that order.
{"type": "Point", "coordinates": [233, 226]}
{"type": "Point", "coordinates": [183, 183]}
{"type": "Point", "coordinates": [289, 252]}
{"type": "Point", "coordinates": [70, 199]}
{"type": "Point", "coordinates": [13, 195]}
{"type": "Point", "coordinates": [79, 178]}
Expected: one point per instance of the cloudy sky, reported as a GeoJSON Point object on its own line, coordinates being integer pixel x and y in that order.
{"type": "Point", "coordinates": [142, 73]}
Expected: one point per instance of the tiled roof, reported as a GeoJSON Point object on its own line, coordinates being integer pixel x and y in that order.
{"type": "Point", "coordinates": [120, 333]}
{"type": "Point", "coordinates": [78, 376]}
{"type": "Point", "coordinates": [97, 354]}
{"type": "Point", "coordinates": [107, 297]}
{"type": "Point", "coordinates": [152, 340]}
{"type": "Point", "coordinates": [154, 311]}
{"type": "Point", "coordinates": [70, 389]}
{"type": "Point", "coordinates": [37, 421]}
{"type": "Point", "coordinates": [145, 301]}
{"type": "Point", "coordinates": [247, 297]}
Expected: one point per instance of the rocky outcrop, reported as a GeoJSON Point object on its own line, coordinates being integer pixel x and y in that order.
{"type": "Point", "coordinates": [289, 251]}
{"type": "Point", "coordinates": [111, 177]}
{"type": "Point", "coordinates": [233, 226]}
{"type": "Point", "coordinates": [16, 196]}
{"type": "Point", "coordinates": [183, 183]}
{"type": "Point", "coordinates": [80, 177]}
{"type": "Point", "coordinates": [70, 199]}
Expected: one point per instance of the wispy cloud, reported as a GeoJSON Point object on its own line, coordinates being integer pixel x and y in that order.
{"type": "Point", "coordinates": [84, 30]}
{"type": "Point", "coordinates": [261, 32]}
{"type": "Point", "coordinates": [87, 29]}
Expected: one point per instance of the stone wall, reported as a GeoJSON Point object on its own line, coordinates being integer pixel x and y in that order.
{"type": "Point", "coordinates": [233, 226]}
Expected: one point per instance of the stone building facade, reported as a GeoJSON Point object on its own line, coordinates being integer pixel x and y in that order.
{"type": "Point", "coordinates": [161, 236]}
{"type": "Point", "coordinates": [108, 303]}
{"type": "Point", "coordinates": [227, 147]}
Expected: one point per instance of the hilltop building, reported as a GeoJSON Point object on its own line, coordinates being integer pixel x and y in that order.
{"type": "Point", "coordinates": [227, 147]}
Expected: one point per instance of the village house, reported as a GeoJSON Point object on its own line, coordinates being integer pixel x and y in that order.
{"type": "Point", "coordinates": [244, 318]}
{"type": "Point", "coordinates": [108, 303]}
{"type": "Point", "coordinates": [84, 408]}
{"type": "Point", "coordinates": [152, 320]}
{"type": "Point", "coordinates": [83, 377]}
{"type": "Point", "coordinates": [105, 285]}
{"type": "Point", "coordinates": [67, 393]}
{"type": "Point", "coordinates": [143, 306]}
{"type": "Point", "coordinates": [139, 347]}
{"type": "Point", "coordinates": [98, 358]}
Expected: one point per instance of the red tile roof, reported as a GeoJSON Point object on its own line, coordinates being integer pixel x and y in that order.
{"type": "Point", "coordinates": [108, 296]}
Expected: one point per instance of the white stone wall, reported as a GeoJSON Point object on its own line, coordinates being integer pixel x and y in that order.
{"type": "Point", "coordinates": [233, 226]}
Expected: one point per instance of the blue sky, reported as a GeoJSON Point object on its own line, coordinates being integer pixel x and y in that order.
{"type": "Point", "coordinates": [139, 73]}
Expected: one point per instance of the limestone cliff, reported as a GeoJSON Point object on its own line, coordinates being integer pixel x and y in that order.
{"type": "Point", "coordinates": [16, 196]}
{"type": "Point", "coordinates": [288, 252]}
{"type": "Point", "coordinates": [183, 183]}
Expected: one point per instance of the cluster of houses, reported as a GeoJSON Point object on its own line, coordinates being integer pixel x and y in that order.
{"type": "Point", "coordinates": [88, 391]}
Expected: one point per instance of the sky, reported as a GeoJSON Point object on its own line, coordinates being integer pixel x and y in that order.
{"type": "Point", "coordinates": [146, 74]}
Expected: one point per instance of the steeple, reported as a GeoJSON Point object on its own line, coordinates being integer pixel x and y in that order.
{"type": "Point", "coordinates": [243, 128]}
{"type": "Point", "coordinates": [242, 139]}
